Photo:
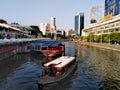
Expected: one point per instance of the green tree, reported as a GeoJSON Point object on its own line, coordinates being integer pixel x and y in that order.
{"type": "Point", "coordinates": [93, 21]}
{"type": "Point", "coordinates": [115, 37]}
{"type": "Point", "coordinates": [48, 35]}
{"type": "Point", "coordinates": [15, 23]}
{"type": "Point", "coordinates": [91, 38]}
{"type": "Point", "coordinates": [35, 30]}
{"type": "Point", "coordinates": [3, 21]}
{"type": "Point", "coordinates": [106, 38]}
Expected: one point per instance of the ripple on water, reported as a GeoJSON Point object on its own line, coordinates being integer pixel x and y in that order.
{"type": "Point", "coordinates": [97, 69]}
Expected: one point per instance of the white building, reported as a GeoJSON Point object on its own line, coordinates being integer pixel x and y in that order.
{"type": "Point", "coordinates": [107, 26]}
{"type": "Point", "coordinates": [53, 23]}
{"type": "Point", "coordinates": [43, 28]}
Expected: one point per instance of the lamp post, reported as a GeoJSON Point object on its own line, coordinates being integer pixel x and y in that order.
{"type": "Point", "coordinates": [101, 34]}
{"type": "Point", "coordinates": [109, 37]}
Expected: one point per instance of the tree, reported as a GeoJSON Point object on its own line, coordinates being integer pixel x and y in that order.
{"type": "Point", "coordinates": [48, 35]}
{"type": "Point", "coordinates": [90, 38]}
{"type": "Point", "coordinates": [106, 38]}
{"type": "Point", "coordinates": [115, 37]}
{"type": "Point", "coordinates": [93, 21]}
{"type": "Point", "coordinates": [35, 30]}
{"type": "Point", "coordinates": [3, 21]}
{"type": "Point", "coordinates": [15, 23]}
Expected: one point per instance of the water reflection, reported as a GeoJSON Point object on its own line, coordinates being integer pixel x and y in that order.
{"type": "Point", "coordinates": [20, 75]}
{"type": "Point", "coordinates": [70, 49]}
{"type": "Point", "coordinates": [105, 65]}
{"type": "Point", "coordinates": [9, 65]}
{"type": "Point", "coordinates": [98, 69]}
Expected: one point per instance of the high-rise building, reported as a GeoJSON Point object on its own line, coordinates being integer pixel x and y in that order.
{"type": "Point", "coordinates": [53, 23]}
{"type": "Point", "coordinates": [79, 23]}
{"type": "Point", "coordinates": [112, 7]}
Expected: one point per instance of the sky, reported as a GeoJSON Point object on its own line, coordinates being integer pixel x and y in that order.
{"type": "Point", "coordinates": [34, 12]}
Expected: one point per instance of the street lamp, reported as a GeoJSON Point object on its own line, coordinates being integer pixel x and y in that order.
{"type": "Point", "coordinates": [109, 37]}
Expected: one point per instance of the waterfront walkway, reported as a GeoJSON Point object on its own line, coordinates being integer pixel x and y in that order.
{"type": "Point", "coordinates": [9, 47]}
{"type": "Point", "coordinates": [101, 45]}
{"type": "Point", "coordinates": [11, 41]}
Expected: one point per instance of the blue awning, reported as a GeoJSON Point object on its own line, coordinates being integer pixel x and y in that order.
{"type": "Point", "coordinates": [46, 43]}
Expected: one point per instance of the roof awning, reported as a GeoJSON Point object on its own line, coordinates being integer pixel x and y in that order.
{"type": "Point", "coordinates": [47, 43]}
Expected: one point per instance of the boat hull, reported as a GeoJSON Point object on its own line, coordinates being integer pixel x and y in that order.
{"type": "Point", "coordinates": [59, 80]}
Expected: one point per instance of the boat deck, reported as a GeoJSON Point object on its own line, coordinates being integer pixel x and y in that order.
{"type": "Point", "coordinates": [51, 76]}
{"type": "Point", "coordinates": [46, 79]}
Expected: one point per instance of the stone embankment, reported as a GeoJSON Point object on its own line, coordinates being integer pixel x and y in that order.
{"type": "Point", "coordinates": [9, 47]}
{"type": "Point", "coordinates": [100, 45]}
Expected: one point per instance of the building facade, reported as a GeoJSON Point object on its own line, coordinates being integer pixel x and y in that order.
{"type": "Point", "coordinates": [105, 27]}
{"type": "Point", "coordinates": [45, 28]}
{"type": "Point", "coordinates": [53, 23]}
{"type": "Point", "coordinates": [71, 32]}
{"type": "Point", "coordinates": [79, 23]}
{"type": "Point", "coordinates": [112, 7]}
{"type": "Point", "coordinates": [9, 32]}
{"type": "Point", "coordinates": [25, 29]}
{"type": "Point", "coordinates": [109, 23]}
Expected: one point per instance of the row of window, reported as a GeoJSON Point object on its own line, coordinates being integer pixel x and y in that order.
{"type": "Point", "coordinates": [108, 26]}
{"type": "Point", "coordinates": [105, 31]}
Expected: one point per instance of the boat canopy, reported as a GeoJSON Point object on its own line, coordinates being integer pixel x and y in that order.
{"type": "Point", "coordinates": [61, 61]}
{"type": "Point", "coordinates": [46, 43]}
{"type": "Point", "coordinates": [55, 44]}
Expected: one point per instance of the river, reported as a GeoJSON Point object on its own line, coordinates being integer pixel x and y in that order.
{"type": "Point", "coordinates": [97, 69]}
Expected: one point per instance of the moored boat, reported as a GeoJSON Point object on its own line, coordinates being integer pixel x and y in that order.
{"type": "Point", "coordinates": [56, 70]}
{"type": "Point", "coordinates": [49, 48]}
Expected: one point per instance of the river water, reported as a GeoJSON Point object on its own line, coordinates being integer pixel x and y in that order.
{"type": "Point", "coordinates": [97, 69]}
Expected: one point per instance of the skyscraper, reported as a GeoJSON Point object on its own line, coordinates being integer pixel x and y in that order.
{"type": "Point", "coordinates": [53, 23]}
{"type": "Point", "coordinates": [79, 23]}
{"type": "Point", "coordinates": [112, 7]}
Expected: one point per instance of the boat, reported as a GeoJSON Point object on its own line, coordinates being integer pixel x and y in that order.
{"type": "Point", "coordinates": [56, 71]}
{"type": "Point", "coordinates": [49, 48]}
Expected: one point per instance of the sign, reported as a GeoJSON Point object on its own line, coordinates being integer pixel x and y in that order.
{"type": "Point", "coordinates": [106, 17]}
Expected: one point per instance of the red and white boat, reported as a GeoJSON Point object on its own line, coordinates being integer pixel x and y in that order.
{"type": "Point", "coordinates": [53, 51]}
{"type": "Point", "coordinates": [50, 48]}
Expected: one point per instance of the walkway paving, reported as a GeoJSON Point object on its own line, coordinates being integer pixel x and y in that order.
{"type": "Point", "coordinates": [10, 41]}
{"type": "Point", "coordinates": [101, 45]}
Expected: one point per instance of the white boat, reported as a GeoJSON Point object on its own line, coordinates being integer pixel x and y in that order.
{"type": "Point", "coordinates": [56, 71]}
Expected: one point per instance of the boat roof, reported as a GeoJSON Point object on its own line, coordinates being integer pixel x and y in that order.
{"type": "Point", "coordinates": [61, 61]}
{"type": "Point", "coordinates": [46, 43]}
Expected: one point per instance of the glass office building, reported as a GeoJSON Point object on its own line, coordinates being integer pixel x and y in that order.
{"type": "Point", "coordinates": [79, 23]}
{"type": "Point", "coordinates": [112, 7]}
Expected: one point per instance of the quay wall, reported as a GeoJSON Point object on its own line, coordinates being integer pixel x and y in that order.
{"type": "Point", "coordinates": [99, 45]}
{"type": "Point", "coordinates": [9, 47]}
